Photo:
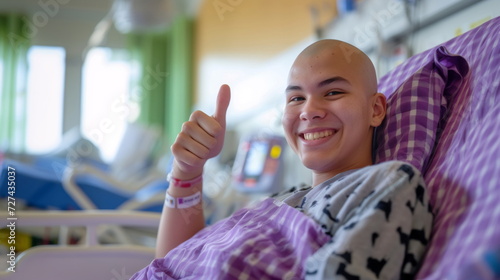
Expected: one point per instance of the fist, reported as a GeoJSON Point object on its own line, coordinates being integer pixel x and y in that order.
{"type": "Point", "coordinates": [200, 139]}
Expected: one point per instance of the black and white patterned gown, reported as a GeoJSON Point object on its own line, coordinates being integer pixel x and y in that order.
{"type": "Point", "coordinates": [378, 217]}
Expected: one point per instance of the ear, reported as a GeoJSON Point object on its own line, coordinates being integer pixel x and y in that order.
{"type": "Point", "coordinates": [379, 109]}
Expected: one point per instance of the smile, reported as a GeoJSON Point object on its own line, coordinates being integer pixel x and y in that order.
{"type": "Point", "coordinates": [317, 135]}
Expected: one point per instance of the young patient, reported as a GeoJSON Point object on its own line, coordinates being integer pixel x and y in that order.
{"type": "Point", "coordinates": [357, 221]}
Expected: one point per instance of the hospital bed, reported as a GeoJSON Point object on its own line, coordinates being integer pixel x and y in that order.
{"type": "Point", "coordinates": [65, 186]}
{"type": "Point", "coordinates": [451, 134]}
{"type": "Point", "coordinates": [73, 178]}
{"type": "Point", "coordinates": [82, 186]}
{"type": "Point", "coordinates": [88, 260]}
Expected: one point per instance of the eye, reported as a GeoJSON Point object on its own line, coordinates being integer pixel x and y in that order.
{"type": "Point", "coordinates": [296, 98]}
{"type": "Point", "coordinates": [334, 92]}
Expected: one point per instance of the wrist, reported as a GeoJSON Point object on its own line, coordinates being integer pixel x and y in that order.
{"type": "Point", "coordinates": [183, 175]}
{"type": "Point", "coordinates": [181, 192]}
{"type": "Point", "coordinates": [176, 182]}
{"type": "Point", "coordinates": [179, 175]}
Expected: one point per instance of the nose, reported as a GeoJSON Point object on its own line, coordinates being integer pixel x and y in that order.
{"type": "Point", "coordinates": [312, 109]}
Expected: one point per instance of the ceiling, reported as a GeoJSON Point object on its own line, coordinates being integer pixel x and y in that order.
{"type": "Point", "coordinates": [80, 10]}
{"type": "Point", "coordinates": [70, 23]}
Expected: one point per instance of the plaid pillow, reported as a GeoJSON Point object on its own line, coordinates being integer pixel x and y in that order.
{"type": "Point", "coordinates": [416, 111]}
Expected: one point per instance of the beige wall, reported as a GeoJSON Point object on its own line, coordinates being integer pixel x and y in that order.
{"type": "Point", "coordinates": [234, 38]}
{"type": "Point", "coordinates": [256, 28]}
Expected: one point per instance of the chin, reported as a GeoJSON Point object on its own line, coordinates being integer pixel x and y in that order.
{"type": "Point", "coordinates": [316, 165]}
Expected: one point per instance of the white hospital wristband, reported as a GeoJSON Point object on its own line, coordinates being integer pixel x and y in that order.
{"type": "Point", "coordinates": [182, 202]}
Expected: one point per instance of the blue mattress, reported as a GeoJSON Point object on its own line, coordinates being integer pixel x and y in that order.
{"type": "Point", "coordinates": [41, 187]}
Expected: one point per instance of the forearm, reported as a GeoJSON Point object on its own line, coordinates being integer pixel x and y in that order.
{"type": "Point", "coordinates": [200, 138]}
{"type": "Point", "coordinates": [178, 225]}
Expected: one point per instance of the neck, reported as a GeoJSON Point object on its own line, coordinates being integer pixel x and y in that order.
{"type": "Point", "coordinates": [320, 177]}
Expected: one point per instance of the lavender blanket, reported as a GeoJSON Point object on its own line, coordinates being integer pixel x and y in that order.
{"type": "Point", "coordinates": [268, 241]}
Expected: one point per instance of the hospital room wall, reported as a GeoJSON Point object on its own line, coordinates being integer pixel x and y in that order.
{"type": "Point", "coordinates": [236, 39]}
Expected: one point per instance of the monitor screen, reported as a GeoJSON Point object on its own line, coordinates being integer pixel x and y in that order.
{"type": "Point", "coordinates": [256, 159]}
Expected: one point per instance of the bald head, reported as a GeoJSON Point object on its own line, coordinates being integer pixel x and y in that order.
{"type": "Point", "coordinates": [340, 55]}
{"type": "Point", "coordinates": [332, 107]}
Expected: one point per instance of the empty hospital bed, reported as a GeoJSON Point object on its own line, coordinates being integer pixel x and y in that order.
{"type": "Point", "coordinates": [89, 260]}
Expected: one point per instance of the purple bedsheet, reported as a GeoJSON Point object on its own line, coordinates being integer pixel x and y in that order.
{"type": "Point", "coordinates": [463, 176]}
{"type": "Point", "coordinates": [264, 242]}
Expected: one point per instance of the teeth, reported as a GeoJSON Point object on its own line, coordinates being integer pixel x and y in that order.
{"type": "Point", "coordinates": [317, 135]}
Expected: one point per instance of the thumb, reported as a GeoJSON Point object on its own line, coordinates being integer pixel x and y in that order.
{"type": "Point", "coordinates": [223, 100]}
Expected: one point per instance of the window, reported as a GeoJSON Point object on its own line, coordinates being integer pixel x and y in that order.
{"type": "Point", "coordinates": [44, 98]}
{"type": "Point", "coordinates": [106, 108]}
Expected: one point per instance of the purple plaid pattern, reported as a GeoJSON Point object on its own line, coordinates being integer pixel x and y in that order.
{"type": "Point", "coordinates": [415, 110]}
{"type": "Point", "coordinates": [463, 174]}
{"type": "Point", "coordinates": [265, 242]}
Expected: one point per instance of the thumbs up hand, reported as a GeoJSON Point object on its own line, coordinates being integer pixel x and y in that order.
{"type": "Point", "coordinates": [200, 139]}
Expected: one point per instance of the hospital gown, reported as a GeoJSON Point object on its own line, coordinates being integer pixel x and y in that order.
{"type": "Point", "coordinates": [378, 217]}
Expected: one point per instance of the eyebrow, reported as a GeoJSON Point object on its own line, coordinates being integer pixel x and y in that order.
{"type": "Point", "coordinates": [320, 84]}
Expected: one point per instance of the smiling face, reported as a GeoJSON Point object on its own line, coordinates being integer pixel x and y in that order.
{"type": "Point", "coordinates": [331, 108]}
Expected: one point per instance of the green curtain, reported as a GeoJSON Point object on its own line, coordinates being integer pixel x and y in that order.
{"type": "Point", "coordinates": [164, 87]}
{"type": "Point", "coordinates": [14, 45]}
